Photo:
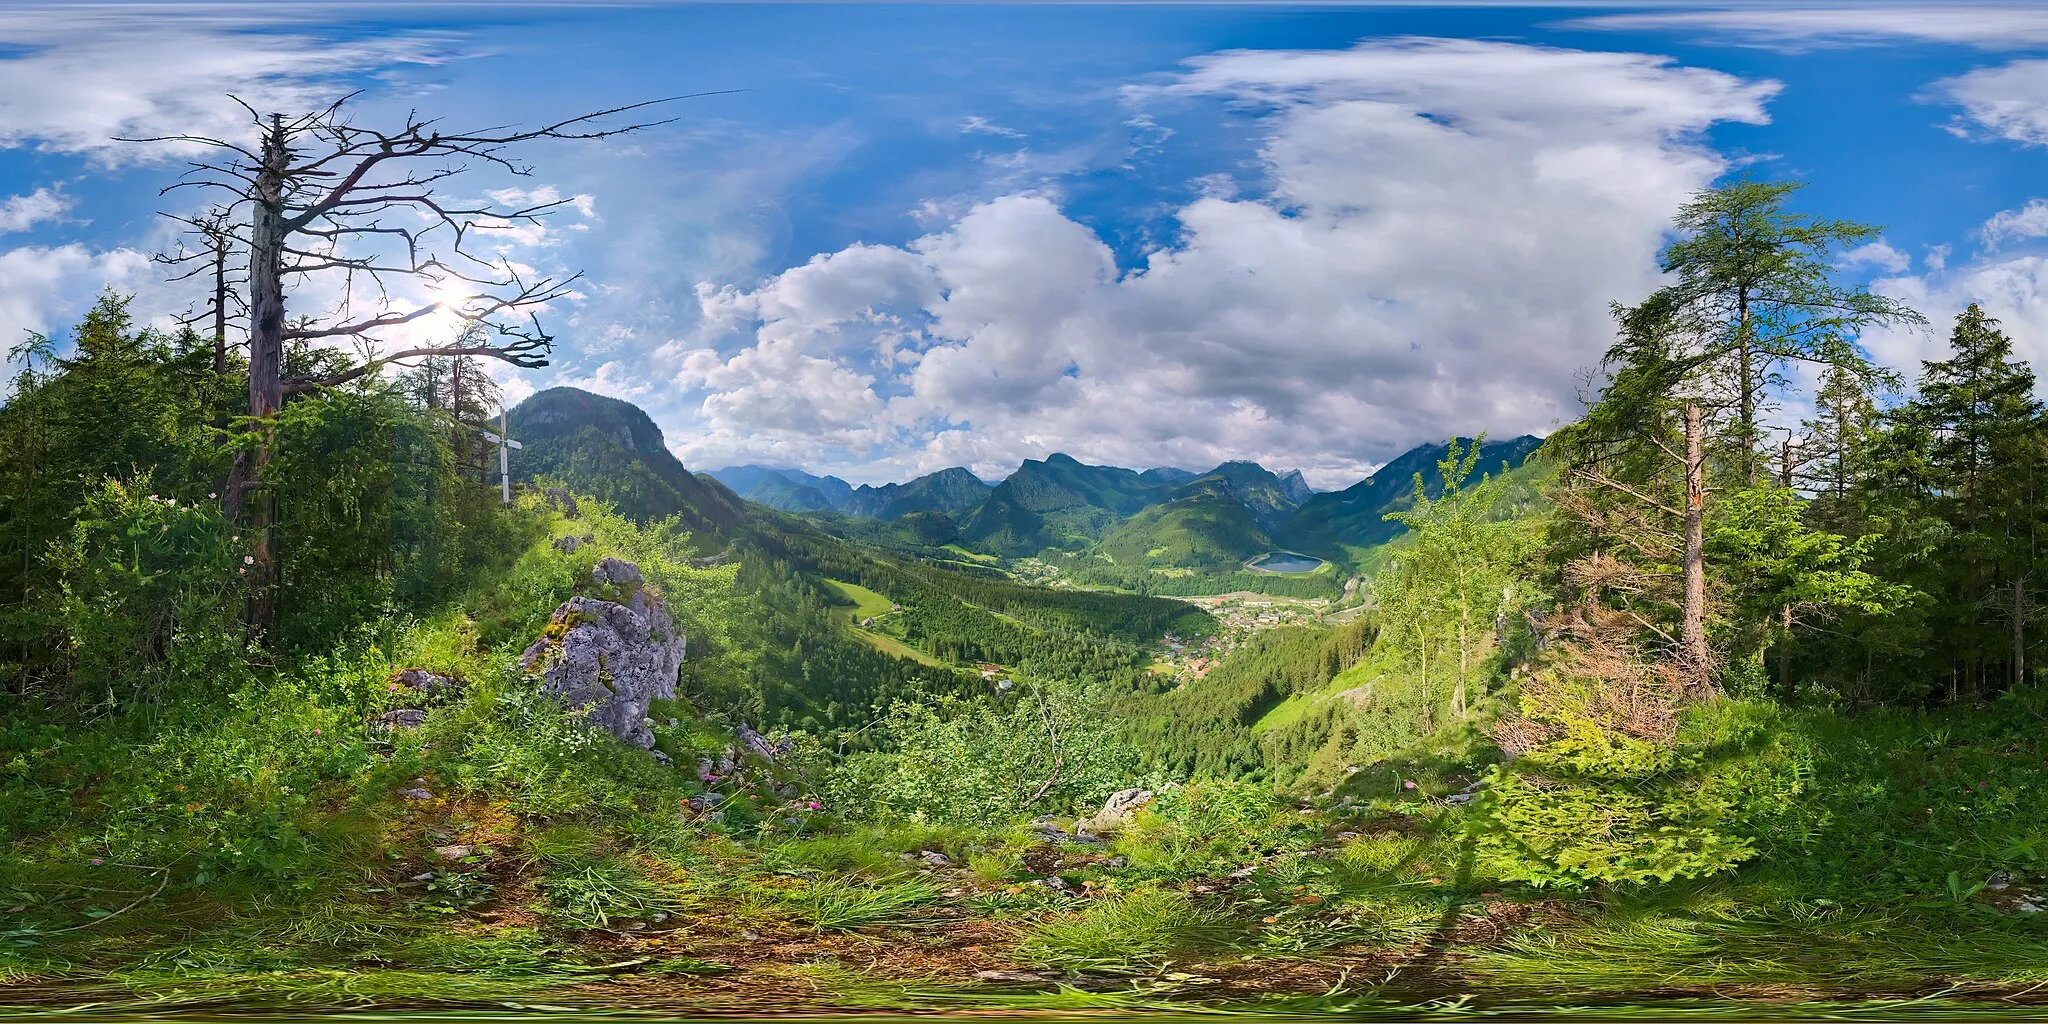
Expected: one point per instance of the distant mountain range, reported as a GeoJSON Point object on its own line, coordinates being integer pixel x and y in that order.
{"type": "Point", "coordinates": [1157, 517]}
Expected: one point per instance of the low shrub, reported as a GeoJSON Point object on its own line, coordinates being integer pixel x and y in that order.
{"type": "Point", "coordinates": [1210, 826]}
{"type": "Point", "coordinates": [1140, 930]}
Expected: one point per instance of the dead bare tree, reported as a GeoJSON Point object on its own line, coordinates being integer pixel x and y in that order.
{"type": "Point", "coordinates": [215, 258]}
{"type": "Point", "coordinates": [319, 197]}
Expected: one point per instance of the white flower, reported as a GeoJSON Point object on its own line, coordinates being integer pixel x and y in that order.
{"type": "Point", "coordinates": [248, 559]}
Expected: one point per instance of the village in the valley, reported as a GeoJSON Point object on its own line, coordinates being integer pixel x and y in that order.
{"type": "Point", "coordinates": [1239, 617]}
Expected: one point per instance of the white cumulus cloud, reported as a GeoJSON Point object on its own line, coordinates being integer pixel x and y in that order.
{"type": "Point", "coordinates": [1798, 27]}
{"type": "Point", "coordinates": [41, 287]}
{"type": "Point", "coordinates": [2007, 102]}
{"type": "Point", "coordinates": [1442, 226]}
{"type": "Point", "coordinates": [19, 213]}
{"type": "Point", "coordinates": [2029, 221]}
{"type": "Point", "coordinates": [89, 73]}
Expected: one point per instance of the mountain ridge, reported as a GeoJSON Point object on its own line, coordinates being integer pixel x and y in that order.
{"type": "Point", "coordinates": [1163, 516]}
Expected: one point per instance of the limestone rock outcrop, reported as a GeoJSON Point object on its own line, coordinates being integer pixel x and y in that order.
{"type": "Point", "coordinates": [610, 658]}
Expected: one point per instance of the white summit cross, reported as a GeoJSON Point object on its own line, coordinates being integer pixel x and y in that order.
{"type": "Point", "coordinates": [503, 439]}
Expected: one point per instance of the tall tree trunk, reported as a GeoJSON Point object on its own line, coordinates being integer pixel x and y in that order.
{"type": "Point", "coordinates": [1422, 638]}
{"type": "Point", "coordinates": [1458, 695]}
{"type": "Point", "coordinates": [1693, 628]}
{"type": "Point", "coordinates": [2019, 631]}
{"type": "Point", "coordinates": [457, 441]}
{"type": "Point", "coordinates": [1785, 652]}
{"type": "Point", "coordinates": [220, 305]}
{"type": "Point", "coordinates": [266, 362]}
{"type": "Point", "coordinates": [1748, 397]}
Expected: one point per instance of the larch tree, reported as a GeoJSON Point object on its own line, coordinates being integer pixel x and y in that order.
{"type": "Point", "coordinates": [1460, 566]}
{"type": "Point", "coordinates": [1755, 283]}
{"type": "Point", "coordinates": [1697, 365]}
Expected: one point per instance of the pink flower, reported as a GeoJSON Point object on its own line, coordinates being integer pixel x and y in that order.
{"type": "Point", "coordinates": [316, 732]}
{"type": "Point", "coordinates": [248, 559]}
{"type": "Point", "coordinates": [1407, 785]}
{"type": "Point", "coordinates": [95, 862]}
{"type": "Point", "coordinates": [813, 805]}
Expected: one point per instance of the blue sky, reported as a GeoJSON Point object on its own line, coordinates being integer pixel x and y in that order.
{"type": "Point", "coordinates": [967, 234]}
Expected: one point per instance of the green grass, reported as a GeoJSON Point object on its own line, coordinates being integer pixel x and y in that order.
{"type": "Point", "coordinates": [839, 904]}
{"type": "Point", "coordinates": [896, 648]}
{"type": "Point", "coordinates": [972, 556]}
{"type": "Point", "coordinates": [1283, 714]}
{"type": "Point", "coordinates": [866, 603]}
{"type": "Point", "coordinates": [1125, 934]}
{"type": "Point", "coordinates": [596, 895]}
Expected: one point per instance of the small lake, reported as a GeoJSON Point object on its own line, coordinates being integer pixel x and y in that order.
{"type": "Point", "coordinates": [1286, 562]}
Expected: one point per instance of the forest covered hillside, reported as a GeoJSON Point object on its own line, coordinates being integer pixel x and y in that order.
{"type": "Point", "coordinates": [610, 449]}
{"type": "Point", "coordinates": [1215, 523]}
{"type": "Point", "coordinates": [1345, 524]}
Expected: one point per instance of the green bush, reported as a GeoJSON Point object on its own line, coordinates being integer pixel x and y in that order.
{"type": "Point", "coordinates": [1598, 806]}
{"type": "Point", "coordinates": [1206, 826]}
{"type": "Point", "coordinates": [1047, 748]}
{"type": "Point", "coordinates": [151, 593]}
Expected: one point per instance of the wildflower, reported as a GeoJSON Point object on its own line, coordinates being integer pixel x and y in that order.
{"type": "Point", "coordinates": [316, 732]}
{"type": "Point", "coordinates": [1407, 785]}
{"type": "Point", "coordinates": [1269, 919]}
{"type": "Point", "coordinates": [814, 805]}
{"type": "Point", "coordinates": [153, 497]}
{"type": "Point", "coordinates": [95, 862]}
{"type": "Point", "coordinates": [248, 559]}
{"type": "Point", "coordinates": [211, 495]}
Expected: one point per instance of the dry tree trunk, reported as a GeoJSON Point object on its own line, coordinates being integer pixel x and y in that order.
{"type": "Point", "coordinates": [266, 362]}
{"type": "Point", "coordinates": [1693, 628]}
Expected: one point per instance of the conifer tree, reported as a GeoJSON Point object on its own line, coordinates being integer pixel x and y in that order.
{"type": "Point", "coordinates": [1964, 463]}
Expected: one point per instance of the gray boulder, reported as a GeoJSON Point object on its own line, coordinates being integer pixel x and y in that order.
{"type": "Point", "coordinates": [563, 500]}
{"type": "Point", "coordinates": [422, 681]}
{"type": "Point", "coordinates": [402, 718]}
{"type": "Point", "coordinates": [1116, 812]}
{"type": "Point", "coordinates": [612, 572]}
{"type": "Point", "coordinates": [610, 659]}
